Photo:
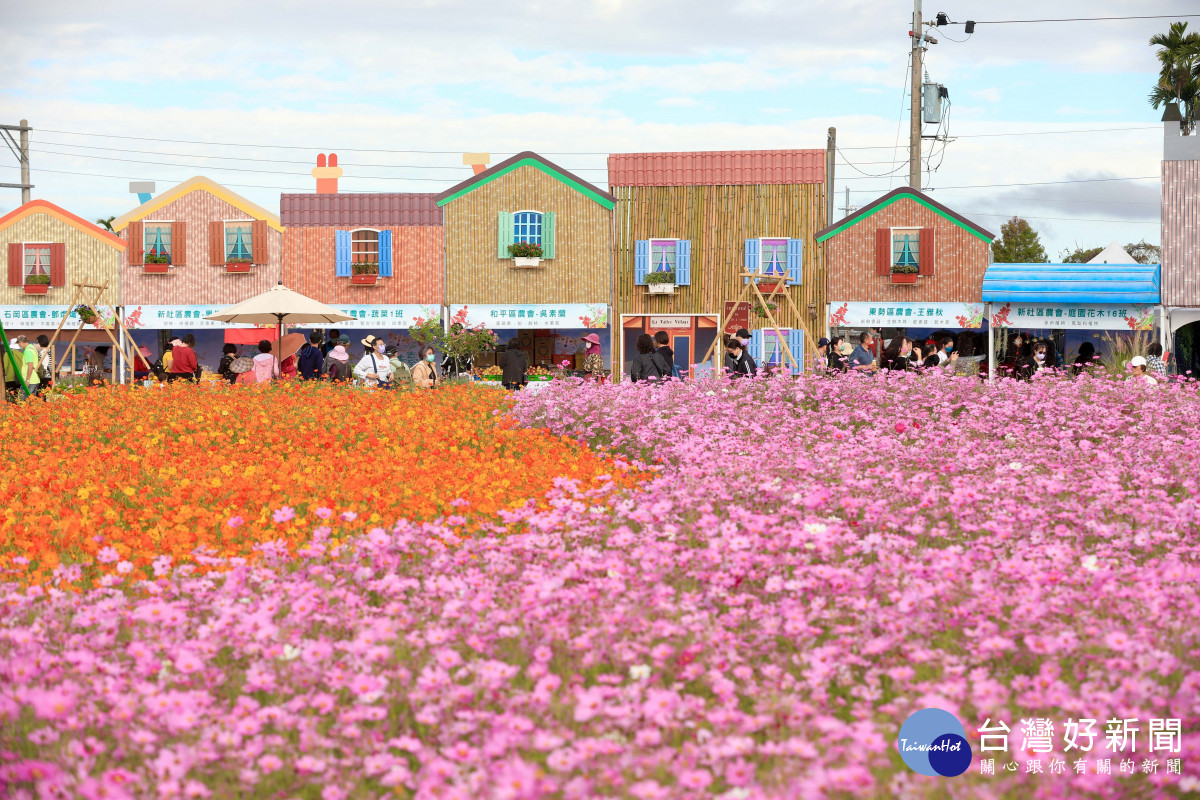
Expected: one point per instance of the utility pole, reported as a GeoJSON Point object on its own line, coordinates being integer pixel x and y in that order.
{"type": "Point", "coordinates": [830, 162]}
{"type": "Point", "coordinates": [20, 149]}
{"type": "Point", "coordinates": [846, 209]}
{"type": "Point", "coordinates": [914, 129]}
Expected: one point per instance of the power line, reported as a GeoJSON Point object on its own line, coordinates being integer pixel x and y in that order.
{"type": "Point", "coordinates": [1028, 183]}
{"type": "Point", "coordinates": [1073, 19]}
{"type": "Point", "coordinates": [1061, 219]}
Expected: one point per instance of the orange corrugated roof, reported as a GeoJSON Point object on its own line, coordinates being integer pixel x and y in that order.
{"type": "Point", "coordinates": [60, 213]}
{"type": "Point", "coordinates": [717, 168]}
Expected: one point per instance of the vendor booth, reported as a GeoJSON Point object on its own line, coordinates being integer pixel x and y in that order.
{"type": "Point", "coordinates": [1069, 304]}
{"type": "Point", "coordinates": [548, 333]}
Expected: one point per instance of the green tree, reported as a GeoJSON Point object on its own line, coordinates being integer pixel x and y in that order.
{"type": "Point", "coordinates": [1079, 255]}
{"type": "Point", "coordinates": [1018, 244]}
{"type": "Point", "coordinates": [1179, 72]}
{"type": "Point", "coordinates": [106, 223]}
{"type": "Point", "coordinates": [1142, 253]}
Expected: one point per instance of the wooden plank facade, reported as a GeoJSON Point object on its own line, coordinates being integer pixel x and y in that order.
{"type": "Point", "coordinates": [1181, 232]}
{"type": "Point", "coordinates": [953, 252]}
{"type": "Point", "coordinates": [78, 251]}
{"type": "Point", "coordinates": [197, 212]}
{"type": "Point", "coordinates": [309, 267]}
{"type": "Point", "coordinates": [578, 270]}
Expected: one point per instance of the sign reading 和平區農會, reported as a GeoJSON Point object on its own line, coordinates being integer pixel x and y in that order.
{"type": "Point", "coordinates": [1094, 316]}
{"type": "Point", "coordinates": [846, 314]}
{"type": "Point", "coordinates": [517, 315]}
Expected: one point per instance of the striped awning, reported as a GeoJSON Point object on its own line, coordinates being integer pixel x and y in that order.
{"type": "Point", "coordinates": [1072, 283]}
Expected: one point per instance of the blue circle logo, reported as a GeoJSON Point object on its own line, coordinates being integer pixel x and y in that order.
{"type": "Point", "coordinates": [933, 742]}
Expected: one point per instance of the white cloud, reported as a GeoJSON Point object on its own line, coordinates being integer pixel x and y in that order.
{"type": "Point", "coordinates": [989, 95]}
{"type": "Point", "coordinates": [679, 102]}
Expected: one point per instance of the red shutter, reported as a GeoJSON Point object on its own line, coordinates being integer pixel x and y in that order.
{"type": "Point", "coordinates": [883, 251]}
{"type": "Point", "coordinates": [258, 241]}
{"type": "Point", "coordinates": [216, 243]}
{"type": "Point", "coordinates": [16, 264]}
{"type": "Point", "coordinates": [926, 250]}
{"type": "Point", "coordinates": [137, 244]}
{"type": "Point", "coordinates": [178, 243]}
{"type": "Point", "coordinates": [58, 264]}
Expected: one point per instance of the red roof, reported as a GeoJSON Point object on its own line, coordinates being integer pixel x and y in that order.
{"type": "Point", "coordinates": [717, 168]}
{"type": "Point", "coordinates": [355, 210]}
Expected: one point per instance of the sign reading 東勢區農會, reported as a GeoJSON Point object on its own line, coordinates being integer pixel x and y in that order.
{"type": "Point", "coordinates": [517, 315]}
{"type": "Point", "coordinates": [845, 314]}
{"type": "Point", "coordinates": [1095, 316]}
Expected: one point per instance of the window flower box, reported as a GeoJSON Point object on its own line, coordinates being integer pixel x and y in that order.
{"type": "Point", "coordinates": [238, 266]}
{"type": "Point", "coordinates": [661, 282]}
{"type": "Point", "coordinates": [156, 263]}
{"type": "Point", "coordinates": [156, 269]}
{"type": "Point", "coordinates": [364, 273]}
{"type": "Point", "coordinates": [662, 288]}
{"type": "Point", "coordinates": [526, 254]}
{"type": "Point", "coordinates": [37, 284]}
{"type": "Point", "coordinates": [904, 273]}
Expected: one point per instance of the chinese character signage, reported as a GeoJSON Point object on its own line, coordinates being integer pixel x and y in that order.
{"type": "Point", "coordinates": [555, 315]}
{"type": "Point", "coordinates": [383, 316]}
{"type": "Point", "coordinates": [175, 317]}
{"type": "Point", "coordinates": [737, 315]}
{"type": "Point", "coordinates": [17, 318]}
{"type": "Point", "coordinates": [844, 314]}
{"type": "Point", "coordinates": [1095, 316]}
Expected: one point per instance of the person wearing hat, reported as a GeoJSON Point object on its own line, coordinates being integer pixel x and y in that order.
{"type": "Point", "coordinates": [337, 362]}
{"type": "Point", "coordinates": [593, 362]}
{"type": "Point", "coordinates": [748, 368]}
{"type": "Point", "coordinates": [401, 374]}
{"type": "Point", "coordinates": [242, 369]}
{"type": "Point", "coordinates": [821, 357]}
{"type": "Point", "coordinates": [1137, 366]}
{"type": "Point", "coordinates": [374, 368]}
{"type": "Point", "coordinates": [141, 363]}
{"type": "Point", "coordinates": [514, 363]}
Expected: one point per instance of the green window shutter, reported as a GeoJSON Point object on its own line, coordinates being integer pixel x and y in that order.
{"type": "Point", "coordinates": [548, 234]}
{"type": "Point", "coordinates": [504, 234]}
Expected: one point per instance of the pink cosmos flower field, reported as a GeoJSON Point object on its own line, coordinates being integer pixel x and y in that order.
{"type": "Point", "coordinates": [811, 562]}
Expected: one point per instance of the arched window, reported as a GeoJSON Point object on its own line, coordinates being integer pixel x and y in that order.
{"type": "Point", "coordinates": [527, 227]}
{"type": "Point", "coordinates": [364, 246]}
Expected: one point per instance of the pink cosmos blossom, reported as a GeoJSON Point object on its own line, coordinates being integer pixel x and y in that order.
{"type": "Point", "coordinates": [284, 514]}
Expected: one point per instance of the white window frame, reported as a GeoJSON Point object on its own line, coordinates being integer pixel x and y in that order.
{"type": "Point", "coordinates": [39, 245]}
{"type": "Point", "coordinates": [762, 249]}
{"type": "Point", "coordinates": [375, 231]}
{"type": "Point", "coordinates": [160, 223]}
{"type": "Point", "coordinates": [541, 224]}
{"type": "Point", "coordinates": [225, 229]}
{"type": "Point", "coordinates": [892, 244]}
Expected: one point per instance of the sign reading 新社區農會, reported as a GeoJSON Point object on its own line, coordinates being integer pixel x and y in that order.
{"type": "Point", "coordinates": [1095, 316]}
{"type": "Point", "coordinates": [518, 315]}
{"type": "Point", "coordinates": [846, 314]}
{"type": "Point", "coordinates": [169, 317]}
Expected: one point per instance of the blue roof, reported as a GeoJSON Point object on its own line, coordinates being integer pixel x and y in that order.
{"type": "Point", "coordinates": [1072, 283]}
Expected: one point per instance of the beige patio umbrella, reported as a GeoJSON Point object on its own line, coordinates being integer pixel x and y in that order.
{"type": "Point", "coordinates": [281, 306]}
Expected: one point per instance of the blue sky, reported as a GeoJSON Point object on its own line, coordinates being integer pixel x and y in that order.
{"type": "Point", "coordinates": [414, 84]}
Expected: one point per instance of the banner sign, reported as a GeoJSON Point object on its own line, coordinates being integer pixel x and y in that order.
{"type": "Point", "coordinates": [905, 315]}
{"type": "Point", "coordinates": [556, 315]}
{"type": "Point", "coordinates": [670, 322]}
{"type": "Point", "coordinates": [382, 316]}
{"type": "Point", "coordinates": [1099, 316]}
{"type": "Point", "coordinates": [176, 317]}
{"type": "Point", "coordinates": [737, 316]}
{"type": "Point", "coordinates": [31, 317]}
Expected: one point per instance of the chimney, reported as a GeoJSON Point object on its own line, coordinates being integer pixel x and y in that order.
{"type": "Point", "coordinates": [477, 161]}
{"type": "Point", "coordinates": [327, 176]}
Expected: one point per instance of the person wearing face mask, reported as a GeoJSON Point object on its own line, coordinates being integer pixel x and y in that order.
{"type": "Point", "coordinates": [424, 374]}
{"type": "Point", "coordinates": [374, 368]}
{"type": "Point", "coordinates": [945, 355]}
{"type": "Point", "coordinates": [837, 360]}
{"type": "Point", "coordinates": [1036, 360]}
{"type": "Point", "coordinates": [900, 356]}
{"type": "Point", "coordinates": [734, 366]}
{"type": "Point", "coordinates": [749, 368]}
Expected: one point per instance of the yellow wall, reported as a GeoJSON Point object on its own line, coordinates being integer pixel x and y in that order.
{"type": "Point", "coordinates": [88, 260]}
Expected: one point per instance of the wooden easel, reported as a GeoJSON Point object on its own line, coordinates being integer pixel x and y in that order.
{"type": "Point", "coordinates": [94, 303]}
{"type": "Point", "coordinates": [749, 292]}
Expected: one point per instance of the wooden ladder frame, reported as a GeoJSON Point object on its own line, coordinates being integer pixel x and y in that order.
{"type": "Point", "coordinates": [94, 303]}
{"type": "Point", "coordinates": [750, 292]}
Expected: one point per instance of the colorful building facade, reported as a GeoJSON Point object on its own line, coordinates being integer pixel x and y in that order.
{"type": "Point", "coordinates": [706, 219]}
{"type": "Point", "coordinates": [48, 250]}
{"type": "Point", "coordinates": [192, 250]}
{"type": "Point", "coordinates": [1181, 243]}
{"type": "Point", "coordinates": [375, 256]}
{"type": "Point", "coordinates": [548, 302]}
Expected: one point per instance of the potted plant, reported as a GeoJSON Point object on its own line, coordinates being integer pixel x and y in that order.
{"type": "Point", "coordinates": [364, 273]}
{"type": "Point", "coordinates": [237, 264]}
{"type": "Point", "coordinates": [156, 262]}
{"type": "Point", "coordinates": [525, 254]}
{"type": "Point", "coordinates": [37, 284]}
{"type": "Point", "coordinates": [904, 273]}
{"type": "Point", "coordinates": [86, 315]}
{"type": "Point", "coordinates": [761, 310]}
{"type": "Point", "coordinates": [661, 282]}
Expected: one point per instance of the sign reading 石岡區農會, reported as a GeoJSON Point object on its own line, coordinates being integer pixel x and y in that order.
{"type": "Point", "coordinates": [517, 315]}
{"type": "Point", "coordinates": [1094, 316]}
{"type": "Point", "coordinates": [846, 314]}
{"type": "Point", "coordinates": [32, 317]}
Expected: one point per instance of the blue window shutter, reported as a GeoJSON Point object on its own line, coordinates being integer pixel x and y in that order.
{"type": "Point", "coordinates": [548, 234]}
{"type": "Point", "coordinates": [795, 260]}
{"type": "Point", "coordinates": [796, 344]}
{"type": "Point", "coordinates": [683, 263]}
{"type": "Point", "coordinates": [756, 346]}
{"type": "Point", "coordinates": [752, 257]}
{"type": "Point", "coordinates": [641, 261]}
{"type": "Point", "coordinates": [341, 253]}
{"type": "Point", "coordinates": [504, 234]}
{"type": "Point", "coordinates": [385, 254]}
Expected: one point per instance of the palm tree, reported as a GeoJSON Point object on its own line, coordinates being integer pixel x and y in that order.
{"type": "Point", "coordinates": [106, 222]}
{"type": "Point", "coordinates": [1179, 75]}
